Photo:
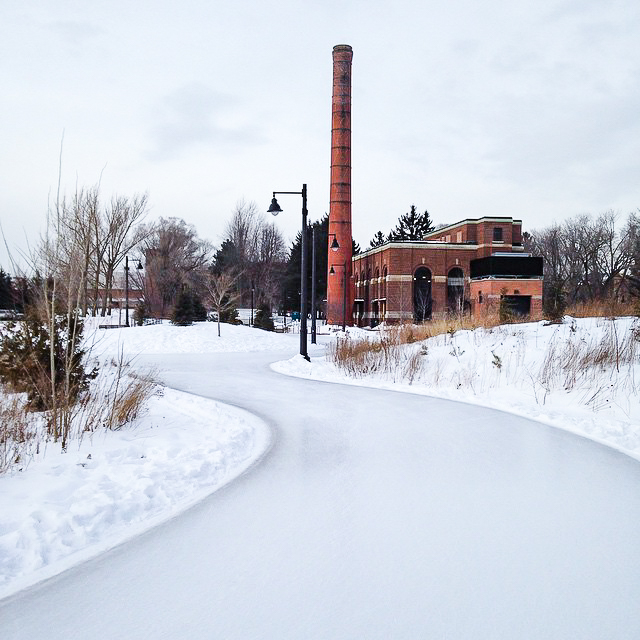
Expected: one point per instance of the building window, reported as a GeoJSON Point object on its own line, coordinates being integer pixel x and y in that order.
{"type": "Point", "coordinates": [479, 297]}
{"type": "Point", "coordinates": [497, 234]}
{"type": "Point", "coordinates": [455, 290]}
{"type": "Point", "coordinates": [422, 300]}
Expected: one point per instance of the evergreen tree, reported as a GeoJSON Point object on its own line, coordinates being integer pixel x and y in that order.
{"type": "Point", "coordinates": [26, 359]}
{"type": "Point", "coordinates": [183, 312]}
{"type": "Point", "coordinates": [226, 258]}
{"type": "Point", "coordinates": [199, 312]}
{"type": "Point", "coordinates": [229, 314]}
{"type": "Point", "coordinates": [291, 293]}
{"type": "Point", "coordinates": [7, 291]}
{"type": "Point", "coordinates": [412, 225]}
{"type": "Point", "coordinates": [554, 301]}
{"type": "Point", "coordinates": [377, 241]}
{"type": "Point", "coordinates": [263, 319]}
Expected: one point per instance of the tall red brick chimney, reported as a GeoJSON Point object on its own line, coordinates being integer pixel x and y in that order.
{"type": "Point", "coordinates": [339, 305]}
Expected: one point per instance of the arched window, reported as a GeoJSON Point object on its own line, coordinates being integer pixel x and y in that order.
{"type": "Point", "coordinates": [455, 290]}
{"type": "Point", "coordinates": [422, 300]}
{"type": "Point", "coordinates": [367, 297]}
{"type": "Point", "coordinates": [384, 282]}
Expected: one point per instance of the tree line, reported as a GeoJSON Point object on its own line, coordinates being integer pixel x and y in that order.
{"type": "Point", "coordinates": [586, 258]}
{"type": "Point", "coordinates": [589, 259]}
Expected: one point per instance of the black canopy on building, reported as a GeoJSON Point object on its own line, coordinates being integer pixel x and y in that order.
{"type": "Point", "coordinates": [507, 266]}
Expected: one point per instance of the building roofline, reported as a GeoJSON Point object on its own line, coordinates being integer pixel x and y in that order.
{"type": "Point", "coordinates": [474, 221]}
{"type": "Point", "coordinates": [418, 244]}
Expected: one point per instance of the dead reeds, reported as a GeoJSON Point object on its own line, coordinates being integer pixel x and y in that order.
{"type": "Point", "coordinates": [608, 308]}
{"type": "Point", "coordinates": [114, 399]}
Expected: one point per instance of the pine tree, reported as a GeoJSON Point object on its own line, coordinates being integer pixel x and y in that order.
{"type": "Point", "coordinates": [182, 314]}
{"type": "Point", "coordinates": [263, 319]}
{"type": "Point", "coordinates": [199, 312]}
{"type": "Point", "coordinates": [7, 291]}
{"type": "Point", "coordinates": [26, 356]}
{"type": "Point", "coordinates": [412, 225]}
{"type": "Point", "coordinates": [226, 258]}
{"type": "Point", "coordinates": [291, 280]}
{"type": "Point", "coordinates": [554, 302]}
{"type": "Point", "coordinates": [377, 241]}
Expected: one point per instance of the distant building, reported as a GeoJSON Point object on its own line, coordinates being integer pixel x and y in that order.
{"type": "Point", "coordinates": [468, 266]}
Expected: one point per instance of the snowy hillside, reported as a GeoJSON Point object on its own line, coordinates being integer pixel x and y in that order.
{"type": "Point", "coordinates": [582, 375]}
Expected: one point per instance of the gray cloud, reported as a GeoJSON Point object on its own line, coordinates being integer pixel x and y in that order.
{"type": "Point", "coordinates": [76, 33]}
{"type": "Point", "coordinates": [198, 115]}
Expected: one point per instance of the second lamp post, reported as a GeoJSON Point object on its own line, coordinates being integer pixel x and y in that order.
{"type": "Point", "coordinates": [275, 210]}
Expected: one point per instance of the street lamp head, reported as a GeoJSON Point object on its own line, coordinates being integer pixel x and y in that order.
{"type": "Point", "coordinates": [332, 271]}
{"type": "Point", "coordinates": [274, 209]}
{"type": "Point", "coordinates": [335, 245]}
{"type": "Point", "coordinates": [139, 266]}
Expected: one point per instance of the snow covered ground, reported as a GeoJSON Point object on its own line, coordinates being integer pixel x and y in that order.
{"type": "Point", "coordinates": [62, 509]}
{"type": "Point", "coordinates": [59, 509]}
{"type": "Point", "coordinates": [537, 370]}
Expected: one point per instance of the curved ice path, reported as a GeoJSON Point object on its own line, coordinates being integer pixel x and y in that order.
{"type": "Point", "coordinates": [374, 515]}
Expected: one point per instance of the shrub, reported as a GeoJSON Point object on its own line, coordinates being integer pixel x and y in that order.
{"type": "Point", "coordinates": [230, 316]}
{"type": "Point", "coordinates": [188, 309]}
{"type": "Point", "coordinates": [27, 361]}
{"type": "Point", "coordinates": [263, 319]}
{"type": "Point", "coordinates": [199, 312]}
{"type": "Point", "coordinates": [140, 313]}
{"type": "Point", "coordinates": [182, 313]}
{"type": "Point", "coordinates": [554, 305]}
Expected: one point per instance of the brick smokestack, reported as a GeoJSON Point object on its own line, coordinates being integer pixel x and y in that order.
{"type": "Point", "coordinates": [340, 199]}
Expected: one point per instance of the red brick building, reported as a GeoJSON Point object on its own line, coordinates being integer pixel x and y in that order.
{"type": "Point", "coordinates": [467, 266]}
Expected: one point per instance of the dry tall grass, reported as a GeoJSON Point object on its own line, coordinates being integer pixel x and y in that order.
{"type": "Point", "coordinates": [360, 358]}
{"type": "Point", "coordinates": [600, 363]}
{"type": "Point", "coordinates": [570, 363]}
{"type": "Point", "coordinates": [602, 309]}
{"type": "Point", "coordinates": [17, 433]}
{"type": "Point", "coordinates": [114, 399]}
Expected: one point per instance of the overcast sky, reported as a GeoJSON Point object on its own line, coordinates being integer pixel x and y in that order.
{"type": "Point", "coordinates": [519, 108]}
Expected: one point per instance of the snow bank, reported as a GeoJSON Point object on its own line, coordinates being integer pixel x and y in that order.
{"type": "Point", "coordinates": [63, 508]}
{"type": "Point", "coordinates": [201, 337]}
{"type": "Point", "coordinates": [523, 369]}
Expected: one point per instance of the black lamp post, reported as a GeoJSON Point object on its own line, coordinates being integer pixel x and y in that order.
{"type": "Point", "coordinates": [126, 287]}
{"type": "Point", "coordinates": [275, 210]}
{"type": "Point", "coordinates": [332, 272]}
{"type": "Point", "coordinates": [313, 285]}
{"type": "Point", "coordinates": [252, 290]}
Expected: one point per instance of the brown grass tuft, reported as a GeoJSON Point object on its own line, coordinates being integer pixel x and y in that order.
{"type": "Point", "coordinates": [602, 309]}
{"type": "Point", "coordinates": [17, 435]}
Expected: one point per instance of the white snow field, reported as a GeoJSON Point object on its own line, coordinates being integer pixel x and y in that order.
{"type": "Point", "coordinates": [374, 514]}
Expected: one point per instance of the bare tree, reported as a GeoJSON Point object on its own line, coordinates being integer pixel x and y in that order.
{"type": "Point", "coordinates": [175, 258]}
{"type": "Point", "coordinates": [614, 258]}
{"type": "Point", "coordinates": [586, 259]}
{"type": "Point", "coordinates": [259, 252]}
{"type": "Point", "coordinates": [221, 292]}
{"type": "Point", "coordinates": [123, 233]}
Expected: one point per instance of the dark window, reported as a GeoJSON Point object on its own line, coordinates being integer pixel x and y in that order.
{"type": "Point", "coordinates": [497, 234]}
{"type": "Point", "coordinates": [422, 300]}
